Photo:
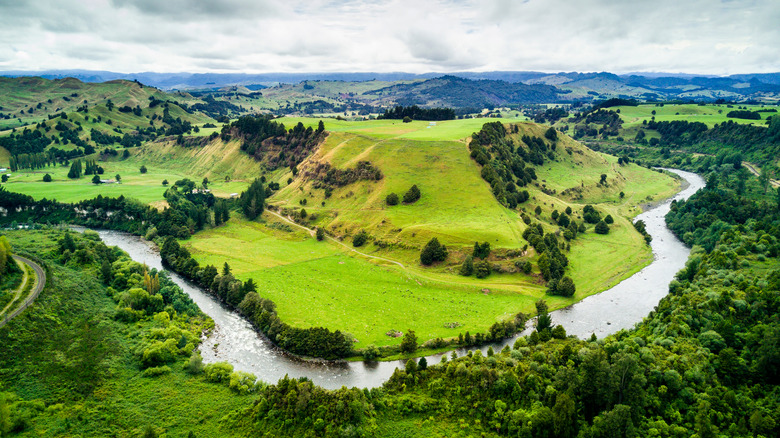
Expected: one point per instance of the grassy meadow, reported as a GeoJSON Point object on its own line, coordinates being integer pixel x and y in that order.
{"type": "Point", "coordinates": [323, 283]}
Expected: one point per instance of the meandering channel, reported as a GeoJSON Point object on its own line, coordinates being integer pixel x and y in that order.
{"type": "Point", "coordinates": [235, 341]}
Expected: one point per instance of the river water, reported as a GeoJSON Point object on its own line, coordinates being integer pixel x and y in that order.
{"type": "Point", "coordinates": [234, 340]}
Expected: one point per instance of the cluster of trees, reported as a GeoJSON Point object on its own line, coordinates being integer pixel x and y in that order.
{"type": "Point", "coordinates": [552, 262]}
{"type": "Point", "coordinates": [550, 115]}
{"type": "Point", "coordinates": [243, 296]}
{"type": "Point", "coordinates": [252, 201]}
{"type": "Point", "coordinates": [480, 268]}
{"type": "Point", "coordinates": [328, 177]}
{"type": "Point", "coordinates": [602, 122]}
{"type": "Point", "coordinates": [416, 113]}
{"type": "Point", "coordinates": [757, 143]}
{"type": "Point", "coordinates": [504, 162]}
{"type": "Point", "coordinates": [744, 114]}
{"type": "Point", "coordinates": [268, 141]}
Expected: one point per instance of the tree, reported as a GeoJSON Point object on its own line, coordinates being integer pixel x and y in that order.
{"type": "Point", "coordinates": [143, 169]}
{"type": "Point", "coordinates": [407, 119]}
{"type": "Point", "coordinates": [603, 180]}
{"type": "Point", "coordinates": [543, 318]}
{"type": "Point", "coordinates": [392, 199]}
{"type": "Point", "coordinates": [75, 170]}
{"type": "Point", "coordinates": [118, 178]}
{"type": "Point", "coordinates": [481, 250]}
{"type": "Point", "coordinates": [482, 269]}
{"type": "Point", "coordinates": [423, 364]}
{"type": "Point", "coordinates": [303, 213]}
{"type": "Point", "coordinates": [411, 366]}
{"type": "Point", "coordinates": [96, 179]}
{"type": "Point", "coordinates": [433, 252]}
{"type": "Point", "coordinates": [4, 178]}
{"type": "Point", "coordinates": [763, 179]}
{"type": "Point", "coordinates": [360, 238]}
{"type": "Point", "coordinates": [205, 183]}
{"type": "Point", "coordinates": [47, 178]}
{"type": "Point", "coordinates": [609, 220]}
{"type": "Point", "coordinates": [412, 195]}
{"type": "Point", "coordinates": [551, 134]}
{"type": "Point", "coordinates": [565, 287]}
{"type": "Point", "coordinates": [538, 210]}
{"type": "Point", "coordinates": [602, 227]}
{"type": "Point", "coordinates": [320, 234]}
{"type": "Point", "coordinates": [467, 268]}
{"type": "Point", "coordinates": [253, 200]}
{"type": "Point", "coordinates": [165, 182]}
{"type": "Point", "coordinates": [409, 342]}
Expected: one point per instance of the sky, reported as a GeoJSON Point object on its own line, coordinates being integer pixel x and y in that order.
{"type": "Point", "coordinates": [418, 36]}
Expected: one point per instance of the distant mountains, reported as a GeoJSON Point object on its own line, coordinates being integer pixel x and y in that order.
{"type": "Point", "coordinates": [488, 87]}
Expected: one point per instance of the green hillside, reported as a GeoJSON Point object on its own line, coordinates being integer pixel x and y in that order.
{"type": "Point", "coordinates": [328, 284]}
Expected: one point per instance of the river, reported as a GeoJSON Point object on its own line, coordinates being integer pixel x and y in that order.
{"type": "Point", "coordinates": [234, 340]}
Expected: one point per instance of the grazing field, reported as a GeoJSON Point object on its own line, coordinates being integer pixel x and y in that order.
{"type": "Point", "coordinates": [709, 114]}
{"type": "Point", "coordinates": [164, 161]}
{"type": "Point", "coordinates": [324, 283]}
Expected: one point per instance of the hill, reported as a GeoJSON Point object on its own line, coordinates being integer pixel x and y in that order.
{"type": "Point", "coordinates": [457, 207]}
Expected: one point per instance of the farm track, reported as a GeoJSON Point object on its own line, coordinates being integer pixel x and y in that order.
{"type": "Point", "coordinates": [751, 167]}
{"type": "Point", "coordinates": [40, 282]}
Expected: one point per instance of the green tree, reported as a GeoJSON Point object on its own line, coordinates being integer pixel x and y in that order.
{"type": "Point", "coordinates": [411, 366]}
{"type": "Point", "coordinates": [412, 195]}
{"type": "Point", "coordinates": [360, 238]}
{"type": "Point", "coordinates": [543, 318]}
{"type": "Point", "coordinates": [433, 252]}
{"type": "Point", "coordinates": [253, 200]}
{"type": "Point", "coordinates": [143, 169]}
{"type": "Point", "coordinates": [392, 199]}
{"type": "Point", "coordinates": [165, 182]}
{"type": "Point", "coordinates": [47, 178]}
{"type": "Point", "coordinates": [409, 342]}
{"type": "Point", "coordinates": [96, 179]}
{"type": "Point", "coordinates": [118, 178]}
{"type": "Point", "coordinates": [467, 268]}
{"type": "Point", "coordinates": [609, 220]}
{"type": "Point", "coordinates": [564, 416]}
{"type": "Point", "coordinates": [603, 180]}
{"type": "Point", "coordinates": [320, 234]}
{"type": "Point", "coordinates": [482, 269]}
{"type": "Point", "coordinates": [481, 250]}
{"type": "Point", "coordinates": [423, 364]}
{"type": "Point", "coordinates": [602, 228]}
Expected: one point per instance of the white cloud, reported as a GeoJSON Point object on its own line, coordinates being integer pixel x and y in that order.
{"type": "Point", "coordinates": [697, 36]}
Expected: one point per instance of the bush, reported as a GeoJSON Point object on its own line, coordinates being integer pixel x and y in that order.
{"type": "Point", "coordinates": [407, 119]}
{"type": "Point", "coordinates": [412, 195]}
{"type": "Point", "coordinates": [602, 227]}
{"type": "Point", "coordinates": [467, 268]}
{"type": "Point", "coordinates": [47, 178]}
{"type": "Point", "coordinates": [156, 371]}
{"type": "Point", "coordinates": [143, 169]}
{"type": "Point", "coordinates": [590, 214]}
{"type": "Point", "coordinates": [409, 342]}
{"type": "Point", "coordinates": [360, 239]}
{"type": "Point", "coordinates": [609, 220]}
{"type": "Point", "coordinates": [482, 269]}
{"type": "Point", "coordinates": [433, 252]}
{"type": "Point", "coordinates": [218, 372]}
{"type": "Point", "coordinates": [370, 353]}
{"type": "Point", "coordinates": [392, 199]}
{"type": "Point", "coordinates": [320, 234]}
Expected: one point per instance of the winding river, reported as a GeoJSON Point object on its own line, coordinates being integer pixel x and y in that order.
{"type": "Point", "coordinates": [621, 307]}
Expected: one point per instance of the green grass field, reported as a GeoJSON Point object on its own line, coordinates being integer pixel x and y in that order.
{"type": "Point", "coordinates": [709, 114]}
{"type": "Point", "coordinates": [321, 283]}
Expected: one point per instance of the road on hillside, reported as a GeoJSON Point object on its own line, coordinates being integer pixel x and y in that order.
{"type": "Point", "coordinates": [313, 233]}
{"type": "Point", "coordinates": [752, 168]}
{"type": "Point", "coordinates": [40, 282]}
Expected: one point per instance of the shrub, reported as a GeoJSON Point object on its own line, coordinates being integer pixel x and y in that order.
{"type": "Point", "coordinates": [409, 342]}
{"type": "Point", "coordinates": [218, 372]}
{"type": "Point", "coordinates": [609, 220]}
{"type": "Point", "coordinates": [482, 269]}
{"type": "Point", "coordinates": [412, 195]}
{"type": "Point", "coordinates": [370, 353]}
{"type": "Point", "coordinates": [320, 234]}
{"type": "Point", "coordinates": [467, 268]}
{"type": "Point", "coordinates": [433, 252]}
{"type": "Point", "coordinates": [392, 199]}
{"type": "Point", "coordinates": [407, 119]}
{"type": "Point", "coordinates": [156, 371]}
{"type": "Point", "coordinates": [47, 178]}
{"type": "Point", "coordinates": [143, 169]}
{"type": "Point", "coordinates": [360, 239]}
{"type": "Point", "coordinates": [602, 227]}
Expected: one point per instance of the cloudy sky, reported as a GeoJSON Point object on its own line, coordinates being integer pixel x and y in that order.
{"type": "Point", "coordinates": [254, 36]}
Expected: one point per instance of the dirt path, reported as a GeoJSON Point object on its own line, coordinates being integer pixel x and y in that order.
{"type": "Point", "coordinates": [40, 282]}
{"type": "Point", "coordinates": [336, 241]}
{"type": "Point", "coordinates": [754, 170]}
